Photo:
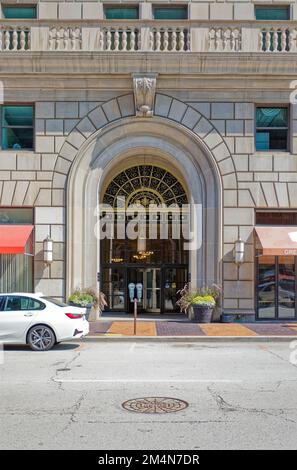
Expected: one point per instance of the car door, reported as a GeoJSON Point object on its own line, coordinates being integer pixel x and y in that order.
{"type": "Point", "coordinates": [17, 315]}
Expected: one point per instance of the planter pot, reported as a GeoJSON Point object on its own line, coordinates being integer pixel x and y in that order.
{"type": "Point", "coordinates": [202, 314]}
{"type": "Point", "coordinates": [86, 309]}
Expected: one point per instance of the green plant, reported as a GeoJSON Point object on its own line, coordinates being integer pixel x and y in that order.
{"type": "Point", "coordinates": [206, 296]}
{"type": "Point", "coordinates": [204, 301]}
{"type": "Point", "coordinates": [88, 296]}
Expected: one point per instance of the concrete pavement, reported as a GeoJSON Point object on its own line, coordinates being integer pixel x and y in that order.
{"type": "Point", "coordinates": [241, 396]}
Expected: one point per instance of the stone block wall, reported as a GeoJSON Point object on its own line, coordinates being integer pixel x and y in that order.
{"type": "Point", "coordinates": [261, 180]}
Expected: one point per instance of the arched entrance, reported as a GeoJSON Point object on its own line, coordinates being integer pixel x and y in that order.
{"type": "Point", "coordinates": [154, 256]}
{"type": "Point", "coordinates": [129, 142]}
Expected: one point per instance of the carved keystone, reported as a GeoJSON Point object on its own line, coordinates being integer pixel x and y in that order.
{"type": "Point", "coordinates": [144, 86]}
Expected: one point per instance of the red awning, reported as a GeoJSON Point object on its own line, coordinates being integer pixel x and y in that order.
{"type": "Point", "coordinates": [278, 241]}
{"type": "Point", "coordinates": [13, 238]}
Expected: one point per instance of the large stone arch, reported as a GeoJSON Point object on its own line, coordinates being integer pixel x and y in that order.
{"type": "Point", "coordinates": [110, 137]}
{"type": "Point", "coordinates": [166, 107]}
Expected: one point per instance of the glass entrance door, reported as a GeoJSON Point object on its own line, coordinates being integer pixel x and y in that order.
{"type": "Point", "coordinates": [150, 278]}
{"type": "Point", "coordinates": [276, 287]}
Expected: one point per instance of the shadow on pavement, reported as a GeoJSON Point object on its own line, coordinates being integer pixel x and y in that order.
{"type": "Point", "coordinates": [58, 347]}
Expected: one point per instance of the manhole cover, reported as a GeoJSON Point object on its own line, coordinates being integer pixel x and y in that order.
{"type": "Point", "coordinates": [155, 405]}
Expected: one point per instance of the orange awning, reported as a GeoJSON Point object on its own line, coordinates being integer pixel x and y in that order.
{"type": "Point", "coordinates": [278, 241]}
{"type": "Point", "coordinates": [13, 238]}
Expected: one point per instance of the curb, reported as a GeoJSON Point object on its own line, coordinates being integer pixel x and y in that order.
{"type": "Point", "coordinates": [189, 339]}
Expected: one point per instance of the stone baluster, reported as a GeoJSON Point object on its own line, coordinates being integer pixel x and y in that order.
{"type": "Point", "coordinates": [173, 40]}
{"type": "Point", "coordinates": [116, 40]}
{"type": "Point", "coordinates": [211, 36]}
{"type": "Point", "coordinates": [266, 39]}
{"type": "Point", "coordinates": [181, 40]}
{"type": "Point", "coordinates": [165, 40]}
{"type": "Point", "coordinates": [232, 40]}
{"type": "Point", "coordinates": [108, 40]}
{"type": "Point", "coordinates": [124, 40]}
{"type": "Point", "coordinates": [133, 40]}
{"type": "Point", "coordinates": [284, 39]}
{"type": "Point", "coordinates": [291, 41]}
{"type": "Point", "coordinates": [158, 40]}
{"type": "Point", "coordinates": [59, 40]}
{"type": "Point", "coordinates": [51, 42]}
{"type": "Point", "coordinates": [101, 40]}
{"type": "Point", "coordinates": [218, 39]}
{"type": "Point", "coordinates": [66, 39]}
{"type": "Point", "coordinates": [151, 40]}
{"type": "Point", "coordinates": [275, 34]}
{"type": "Point", "coordinates": [6, 40]}
{"type": "Point", "coordinates": [22, 40]}
{"type": "Point", "coordinates": [224, 34]}
{"type": "Point", "coordinates": [14, 40]}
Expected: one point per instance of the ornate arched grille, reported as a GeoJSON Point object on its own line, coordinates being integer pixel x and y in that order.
{"type": "Point", "coordinates": [145, 184]}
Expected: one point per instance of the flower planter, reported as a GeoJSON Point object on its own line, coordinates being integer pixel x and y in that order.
{"type": "Point", "coordinates": [202, 314]}
{"type": "Point", "coordinates": [87, 309]}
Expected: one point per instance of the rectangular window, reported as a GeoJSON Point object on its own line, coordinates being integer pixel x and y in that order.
{"type": "Point", "coordinates": [25, 12]}
{"type": "Point", "coordinates": [17, 127]}
{"type": "Point", "coordinates": [276, 288]}
{"type": "Point", "coordinates": [16, 270]}
{"type": "Point", "coordinates": [272, 13]}
{"type": "Point", "coordinates": [271, 128]}
{"type": "Point", "coordinates": [121, 13]}
{"type": "Point", "coordinates": [171, 13]}
{"type": "Point", "coordinates": [276, 218]}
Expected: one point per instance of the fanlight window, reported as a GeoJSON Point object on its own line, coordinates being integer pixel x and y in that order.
{"type": "Point", "coordinates": [145, 184]}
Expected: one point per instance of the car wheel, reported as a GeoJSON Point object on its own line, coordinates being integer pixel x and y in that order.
{"type": "Point", "coordinates": [41, 338]}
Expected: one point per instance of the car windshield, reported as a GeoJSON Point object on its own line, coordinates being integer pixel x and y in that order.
{"type": "Point", "coordinates": [57, 302]}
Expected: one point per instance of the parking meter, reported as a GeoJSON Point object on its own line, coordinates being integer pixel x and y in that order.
{"type": "Point", "coordinates": [139, 289]}
{"type": "Point", "coordinates": [132, 291]}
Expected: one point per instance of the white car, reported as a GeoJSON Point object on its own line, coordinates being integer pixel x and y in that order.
{"type": "Point", "coordinates": [39, 321]}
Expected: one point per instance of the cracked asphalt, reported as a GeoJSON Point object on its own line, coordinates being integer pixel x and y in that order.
{"type": "Point", "coordinates": [240, 395]}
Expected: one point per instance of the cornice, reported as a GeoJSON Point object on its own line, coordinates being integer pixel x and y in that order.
{"type": "Point", "coordinates": [88, 63]}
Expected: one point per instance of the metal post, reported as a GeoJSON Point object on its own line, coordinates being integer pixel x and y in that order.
{"type": "Point", "coordinates": [135, 315]}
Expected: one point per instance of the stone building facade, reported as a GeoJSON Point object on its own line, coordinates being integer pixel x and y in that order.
{"type": "Point", "coordinates": [212, 73]}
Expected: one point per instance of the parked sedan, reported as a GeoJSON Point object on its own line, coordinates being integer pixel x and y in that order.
{"type": "Point", "coordinates": [39, 321]}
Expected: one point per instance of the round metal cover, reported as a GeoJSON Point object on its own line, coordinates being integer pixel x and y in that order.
{"type": "Point", "coordinates": [155, 405]}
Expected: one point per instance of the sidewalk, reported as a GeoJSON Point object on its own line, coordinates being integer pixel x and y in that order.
{"type": "Point", "coordinates": [184, 328]}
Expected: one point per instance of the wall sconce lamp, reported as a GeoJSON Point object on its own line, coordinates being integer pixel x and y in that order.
{"type": "Point", "coordinates": [48, 250]}
{"type": "Point", "coordinates": [239, 251]}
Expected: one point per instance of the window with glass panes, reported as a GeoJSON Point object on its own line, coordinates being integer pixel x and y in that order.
{"type": "Point", "coordinates": [171, 13]}
{"type": "Point", "coordinates": [17, 127]}
{"type": "Point", "coordinates": [17, 269]}
{"type": "Point", "coordinates": [272, 128]}
{"type": "Point", "coordinates": [23, 12]}
{"type": "Point", "coordinates": [272, 13]}
{"type": "Point", "coordinates": [121, 12]}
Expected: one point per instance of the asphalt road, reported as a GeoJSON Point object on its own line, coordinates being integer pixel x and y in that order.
{"type": "Point", "coordinates": [240, 395]}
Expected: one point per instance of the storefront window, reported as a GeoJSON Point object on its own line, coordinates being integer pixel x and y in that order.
{"type": "Point", "coordinates": [17, 127]}
{"type": "Point", "coordinates": [16, 270]}
{"type": "Point", "coordinates": [271, 128]}
{"type": "Point", "coordinates": [286, 287]}
{"type": "Point", "coordinates": [276, 288]}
